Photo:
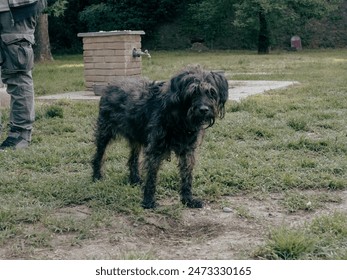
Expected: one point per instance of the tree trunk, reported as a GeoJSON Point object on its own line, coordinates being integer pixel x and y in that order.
{"type": "Point", "coordinates": [42, 47]}
{"type": "Point", "coordinates": [264, 35]}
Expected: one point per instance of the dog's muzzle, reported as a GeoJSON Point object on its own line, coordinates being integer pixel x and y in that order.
{"type": "Point", "coordinates": [202, 115]}
{"type": "Point", "coordinates": [204, 110]}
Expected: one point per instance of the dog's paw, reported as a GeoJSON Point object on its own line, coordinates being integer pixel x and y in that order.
{"type": "Point", "coordinates": [97, 177]}
{"type": "Point", "coordinates": [193, 203]}
{"type": "Point", "coordinates": [149, 204]}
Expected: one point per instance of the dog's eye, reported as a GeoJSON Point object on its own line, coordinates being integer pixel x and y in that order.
{"type": "Point", "coordinates": [213, 93]}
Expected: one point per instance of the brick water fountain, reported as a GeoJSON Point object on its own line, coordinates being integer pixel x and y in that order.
{"type": "Point", "coordinates": [112, 54]}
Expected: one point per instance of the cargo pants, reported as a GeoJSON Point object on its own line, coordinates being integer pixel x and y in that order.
{"type": "Point", "coordinates": [17, 61]}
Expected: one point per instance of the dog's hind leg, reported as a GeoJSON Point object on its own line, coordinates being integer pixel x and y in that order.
{"type": "Point", "coordinates": [102, 138]}
{"type": "Point", "coordinates": [186, 165]}
{"type": "Point", "coordinates": [133, 163]}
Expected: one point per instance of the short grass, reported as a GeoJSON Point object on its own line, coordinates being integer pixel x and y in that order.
{"type": "Point", "coordinates": [64, 74]}
{"type": "Point", "coordinates": [288, 141]}
{"type": "Point", "coordinates": [323, 238]}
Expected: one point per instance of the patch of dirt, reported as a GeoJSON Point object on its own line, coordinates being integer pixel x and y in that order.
{"type": "Point", "coordinates": [208, 233]}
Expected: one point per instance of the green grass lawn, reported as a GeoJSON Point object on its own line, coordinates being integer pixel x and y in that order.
{"type": "Point", "coordinates": [285, 141]}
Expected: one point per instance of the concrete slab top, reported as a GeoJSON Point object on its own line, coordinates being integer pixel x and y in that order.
{"type": "Point", "coordinates": [237, 90]}
{"type": "Point", "coordinates": [111, 33]}
{"type": "Point", "coordinates": [77, 95]}
{"type": "Point", "coordinates": [242, 89]}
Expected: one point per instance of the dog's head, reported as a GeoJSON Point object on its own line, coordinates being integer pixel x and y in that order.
{"type": "Point", "coordinates": [202, 94]}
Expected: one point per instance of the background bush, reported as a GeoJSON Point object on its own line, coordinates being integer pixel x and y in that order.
{"type": "Point", "coordinates": [174, 24]}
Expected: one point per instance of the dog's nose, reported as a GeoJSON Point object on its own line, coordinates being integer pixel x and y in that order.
{"type": "Point", "coordinates": [204, 109]}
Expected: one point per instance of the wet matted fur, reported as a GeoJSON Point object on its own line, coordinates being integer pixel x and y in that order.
{"type": "Point", "coordinates": [157, 118]}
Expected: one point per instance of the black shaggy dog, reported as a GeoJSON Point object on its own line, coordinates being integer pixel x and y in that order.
{"type": "Point", "coordinates": [157, 118]}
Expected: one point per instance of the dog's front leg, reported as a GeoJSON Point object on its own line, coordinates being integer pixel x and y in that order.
{"type": "Point", "coordinates": [186, 165]}
{"type": "Point", "coordinates": [152, 164]}
{"type": "Point", "coordinates": [133, 164]}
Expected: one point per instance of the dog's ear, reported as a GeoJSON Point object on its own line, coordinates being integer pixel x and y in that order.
{"type": "Point", "coordinates": [182, 86]}
{"type": "Point", "coordinates": [176, 82]}
{"type": "Point", "coordinates": [181, 82]}
{"type": "Point", "coordinates": [223, 91]}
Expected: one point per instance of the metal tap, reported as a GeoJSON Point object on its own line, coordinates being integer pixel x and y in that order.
{"type": "Point", "coordinates": [138, 53]}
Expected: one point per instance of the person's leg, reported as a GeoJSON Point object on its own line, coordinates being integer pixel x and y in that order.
{"type": "Point", "coordinates": [1, 61]}
{"type": "Point", "coordinates": [16, 42]}
{"type": "Point", "coordinates": [22, 114]}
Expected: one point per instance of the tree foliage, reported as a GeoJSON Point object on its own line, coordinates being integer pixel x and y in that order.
{"type": "Point", "coordinates": [207, 20]}
{"type": "Point", "coordinates": [266, 15]}
{"type": "Point", "coordinates": [56, 7]}
{"type": "Point", "coordinates": [218, 23]}
{"type": "Point", "coordinates": [128, 14]}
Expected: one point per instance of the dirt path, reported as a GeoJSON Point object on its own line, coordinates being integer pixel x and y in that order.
{"type": "Point", "coordinates": [208, 233]}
